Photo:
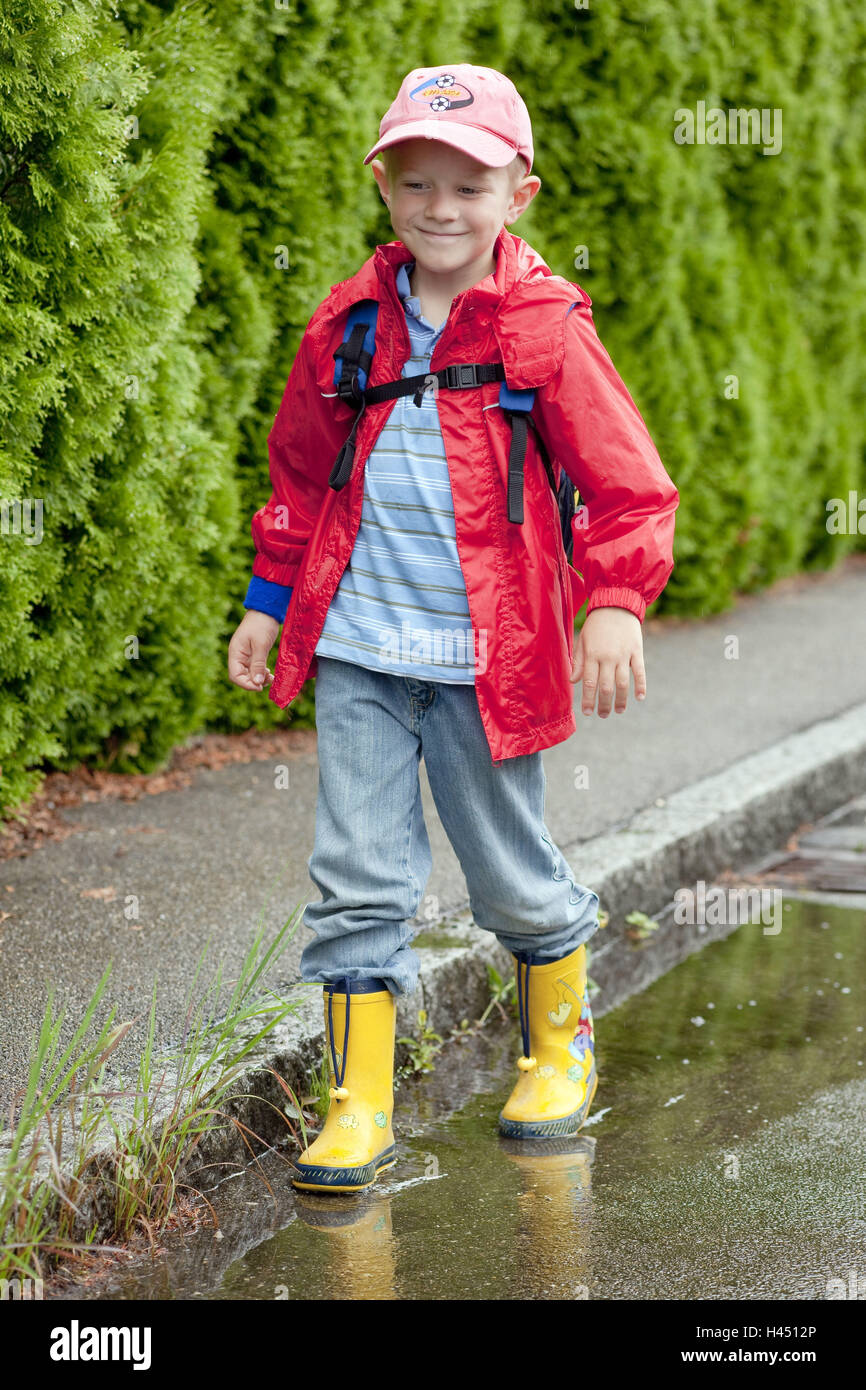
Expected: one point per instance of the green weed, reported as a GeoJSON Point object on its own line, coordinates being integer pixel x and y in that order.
{"type": "Point", "coordinates": [641, 927]}
{"type": "Point", "coordinates": [422, 1049]}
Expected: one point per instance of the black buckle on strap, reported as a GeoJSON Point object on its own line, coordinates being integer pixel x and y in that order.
{"type": "Point", "coordinates": [353, 356]}
{"type": "Point", "coordinates": [348, 389]}
{"type": "Point", "coordinates": [462, 375]}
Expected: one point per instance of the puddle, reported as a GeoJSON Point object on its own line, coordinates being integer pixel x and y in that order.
{"type": "Point", "coordinates": [725, 1158]}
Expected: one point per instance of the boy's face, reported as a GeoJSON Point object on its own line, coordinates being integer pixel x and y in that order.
{"type": "Point", "coordinates": [446, 208]}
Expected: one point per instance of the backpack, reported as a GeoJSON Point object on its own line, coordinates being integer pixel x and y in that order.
{"type": "Point", "coordinates": [354, 358]}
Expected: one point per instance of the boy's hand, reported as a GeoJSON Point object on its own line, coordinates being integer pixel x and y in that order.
{"type": "Point", "coordinates": [608, 645]}
{"type": "Point", "coordinates": [249, 648]}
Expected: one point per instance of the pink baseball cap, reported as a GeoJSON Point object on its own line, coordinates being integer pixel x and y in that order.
{"type": "Point", "coordinates": [476, 110]}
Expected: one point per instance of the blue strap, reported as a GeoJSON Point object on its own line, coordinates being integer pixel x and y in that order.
{"type": "Point", "coordinates": [365, 311]}
{"type": "Point", "coordinates": [521, 401]}
{"type": "Point", "coordinates": [517, 405]}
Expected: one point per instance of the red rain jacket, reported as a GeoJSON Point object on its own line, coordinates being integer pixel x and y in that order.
{"type": "Point", "coordinates": [522, 593]}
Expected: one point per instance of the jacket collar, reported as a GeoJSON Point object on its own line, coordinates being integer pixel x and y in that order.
{"type": "Point", "coordinates": [527, 304]}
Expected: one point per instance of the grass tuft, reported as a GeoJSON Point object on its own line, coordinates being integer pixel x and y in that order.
{"type": "Point", "coordinates": [79, 1152]}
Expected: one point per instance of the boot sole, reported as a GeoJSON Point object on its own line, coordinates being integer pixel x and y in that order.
{"type": "Point", "coordinates": [319, 1179]}
{"type": "Point", "coordinates": [565, 1127]}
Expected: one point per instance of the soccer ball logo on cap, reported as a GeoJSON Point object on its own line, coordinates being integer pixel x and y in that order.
{"type": "Point", "coordinates": [443, 93]}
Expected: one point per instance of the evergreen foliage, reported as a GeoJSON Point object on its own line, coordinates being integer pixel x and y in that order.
{"type": "Point", "coordinates": [180, 185]}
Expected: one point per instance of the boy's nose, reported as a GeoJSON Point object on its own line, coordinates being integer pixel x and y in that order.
{"type": "Point", "coordinates": [441, 208]}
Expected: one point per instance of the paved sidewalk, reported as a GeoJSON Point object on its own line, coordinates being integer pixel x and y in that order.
{"type": "Point", "coordinates": [207, 861]}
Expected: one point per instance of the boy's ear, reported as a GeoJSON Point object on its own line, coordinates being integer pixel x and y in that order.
{"type": "Point", "coordinates": [380, 174]}
{"type": "Point", "coordinates": [522, 197]}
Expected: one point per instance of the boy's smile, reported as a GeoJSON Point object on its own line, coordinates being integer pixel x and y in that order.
{"type": "Point", "coordinates": [448, 210]}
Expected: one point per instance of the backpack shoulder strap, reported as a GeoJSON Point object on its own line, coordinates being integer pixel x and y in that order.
{"type": "Point", "coordinates": [354, 356]}
{"type": "Point", "coordinates": [517, 405]}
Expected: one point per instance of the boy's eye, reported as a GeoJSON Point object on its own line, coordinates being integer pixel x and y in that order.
{"type": "Point", "coordinates": [411, 183]}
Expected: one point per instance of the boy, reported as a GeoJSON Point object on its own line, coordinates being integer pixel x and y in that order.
{"type": "Point", "coordinates": [421, 573]}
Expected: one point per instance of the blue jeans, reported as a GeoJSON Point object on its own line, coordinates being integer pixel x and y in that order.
{"type": "Point", "coordinates": [371, 857]}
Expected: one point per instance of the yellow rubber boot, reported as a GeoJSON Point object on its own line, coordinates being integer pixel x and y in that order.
{"type": "Point", "coordinates": [558, 1079]}
{"type": "Point", "coordinates": [357, 1141]}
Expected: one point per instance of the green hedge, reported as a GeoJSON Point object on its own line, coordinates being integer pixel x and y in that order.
{"type": "Point", "coordinates": [180, 184]}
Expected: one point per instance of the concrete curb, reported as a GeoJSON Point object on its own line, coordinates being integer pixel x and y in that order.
{"type": "Point", "coordinates": [725, 821]}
